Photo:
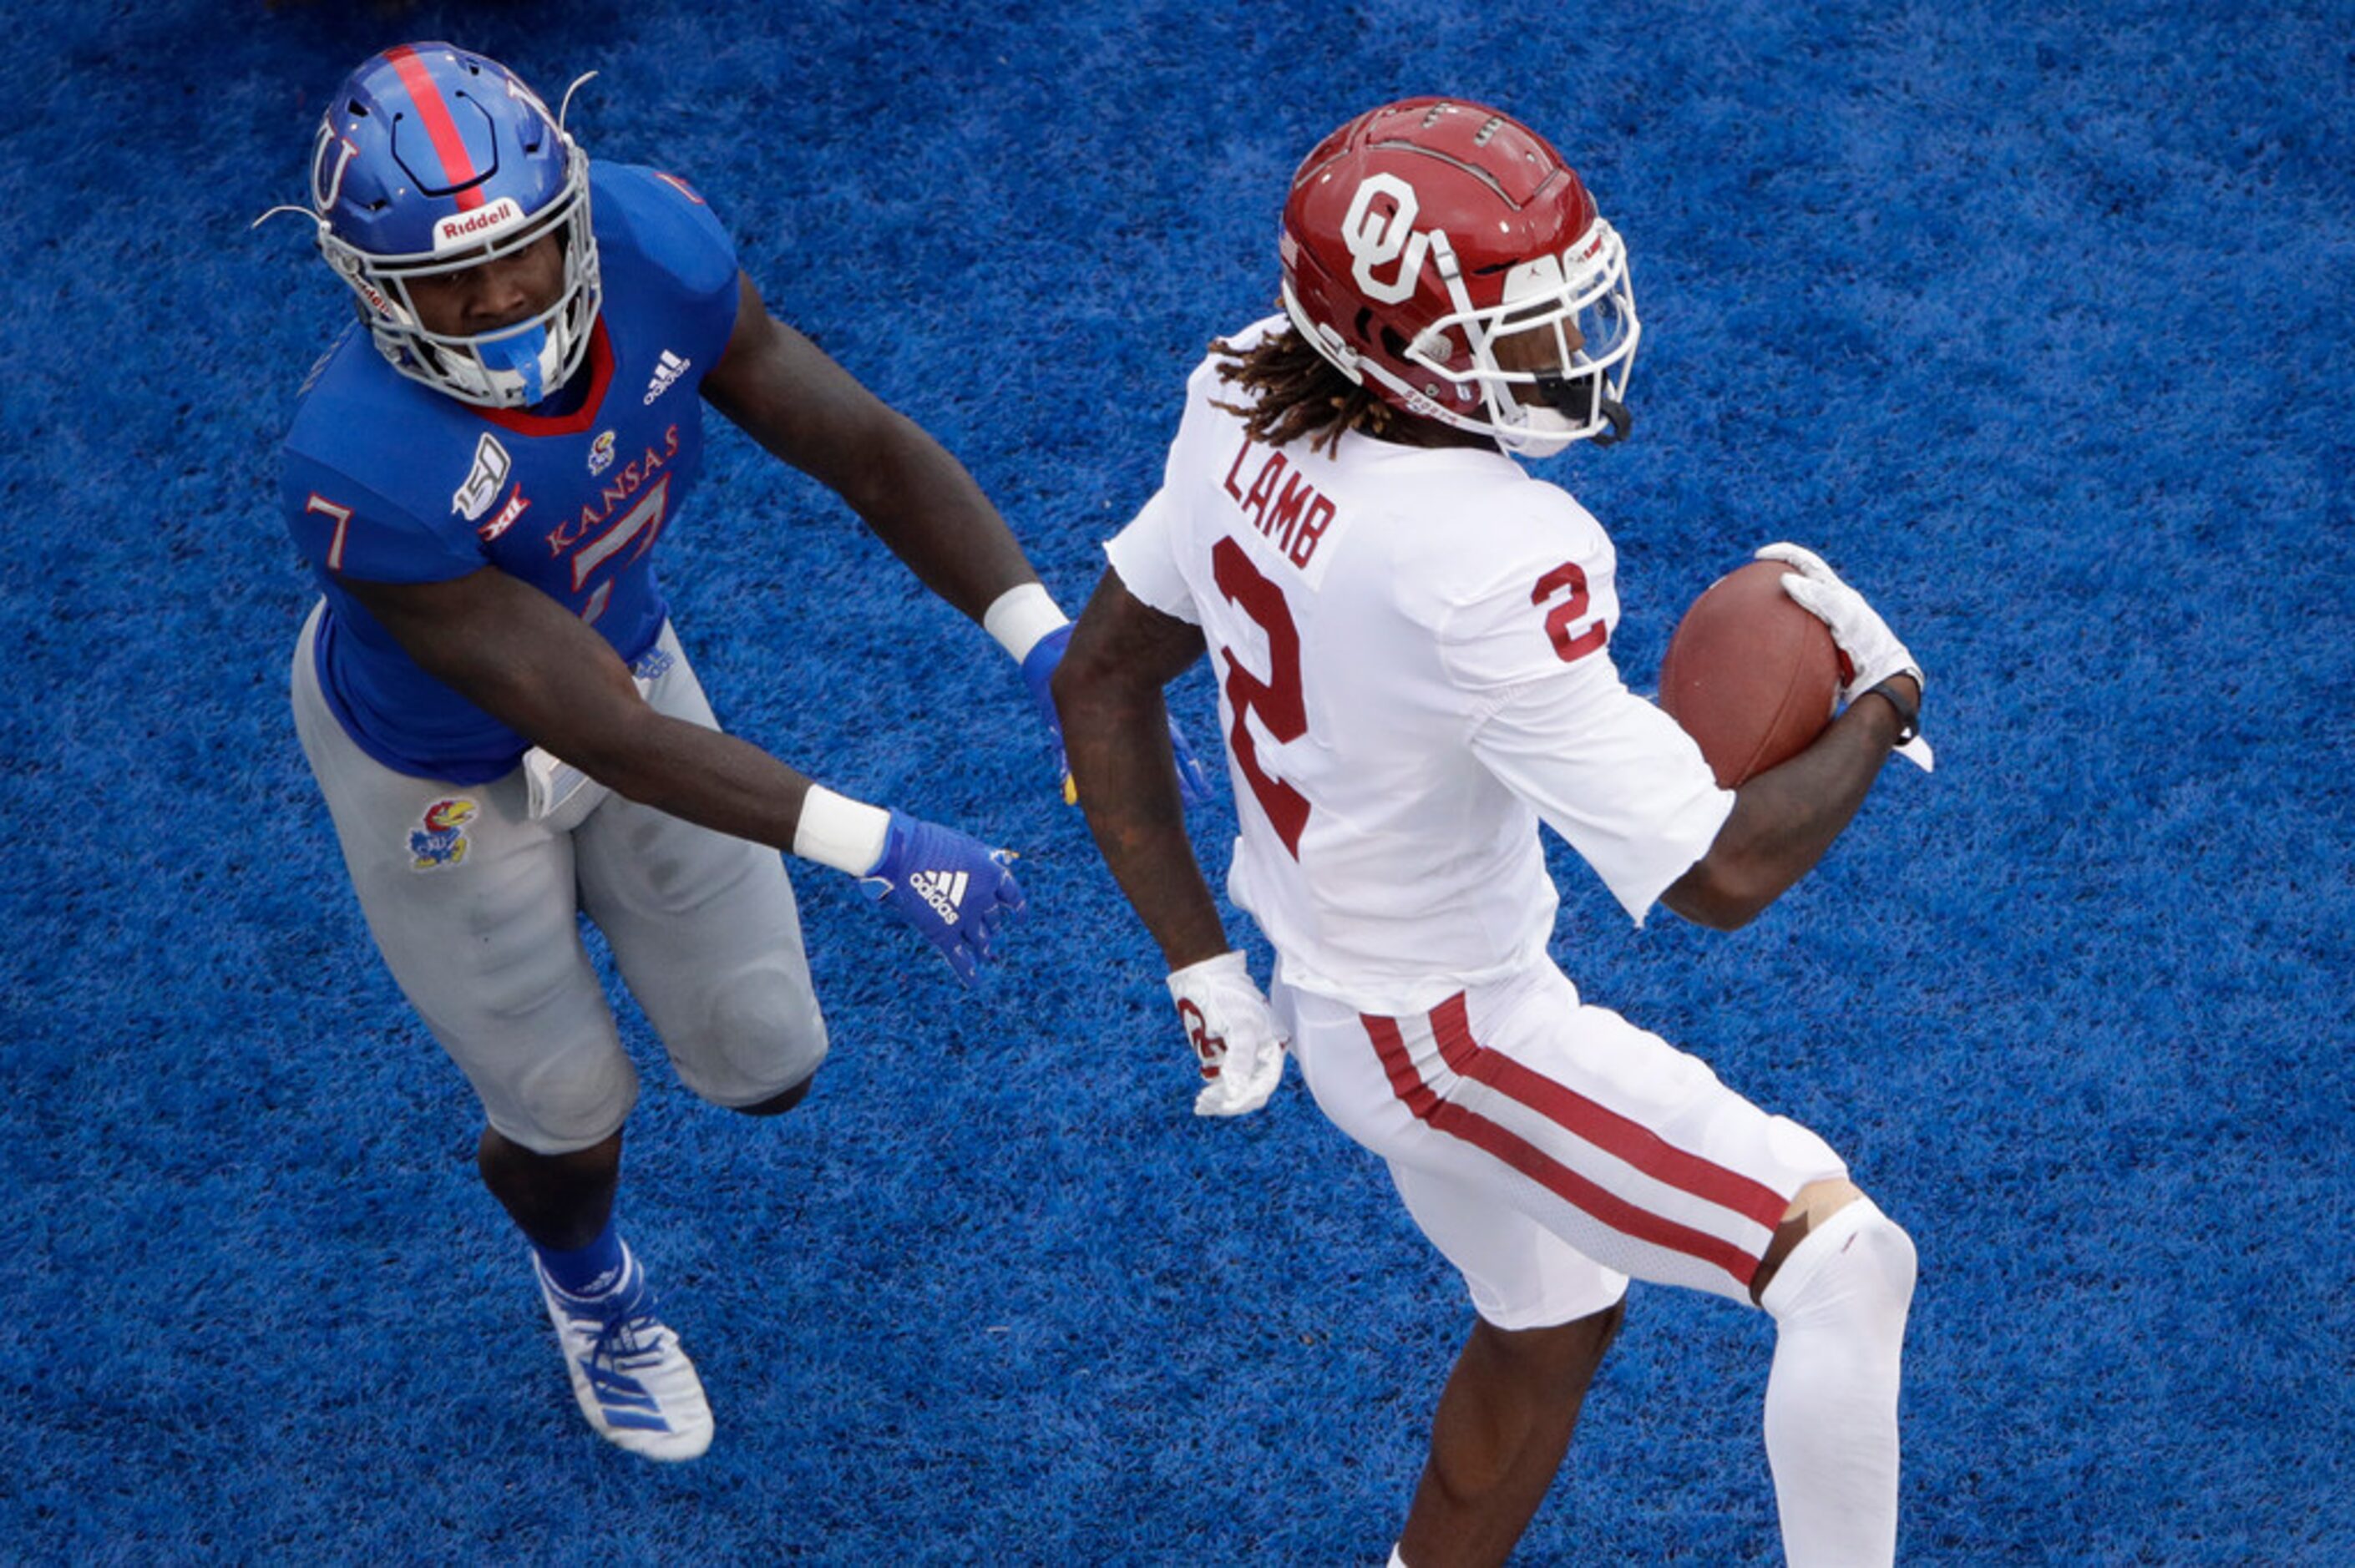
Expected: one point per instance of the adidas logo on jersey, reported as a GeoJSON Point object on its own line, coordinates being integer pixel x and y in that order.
{"type": "Point", "coordinates": [944, 890]}
{"type": "Point", "coordinates": [666, 374]}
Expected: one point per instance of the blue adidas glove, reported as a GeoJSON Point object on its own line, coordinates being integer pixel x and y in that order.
{"type": "Point", "coordinates": [1039, 670]}
{"type": "Point", "coordinates": [954, 890]}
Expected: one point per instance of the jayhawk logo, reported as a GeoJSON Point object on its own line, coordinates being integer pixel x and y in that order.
{"type": "Point", "coordinates": [441, 841]}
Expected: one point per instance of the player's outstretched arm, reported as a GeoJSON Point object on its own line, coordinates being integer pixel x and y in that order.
{"type": "Point", "coordinates": [789, 396]}
{"type": "Point", "coordinates": [524, 660]}
{"type": "Point", "coordinates": [542, 672]}
{"type": "Point", "coordinates": [784, 392]}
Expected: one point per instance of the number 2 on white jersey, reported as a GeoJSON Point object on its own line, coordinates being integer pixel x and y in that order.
{"type": "Point", "coordinates": [1276, 698]}
{"type": "Point", "coordinates": [1569, 647]}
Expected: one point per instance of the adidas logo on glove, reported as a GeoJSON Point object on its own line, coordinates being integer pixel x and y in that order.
{"type": "Point", "coordinates": [954, 889]}
{"type": "Point", "coordinates": [944, 890]}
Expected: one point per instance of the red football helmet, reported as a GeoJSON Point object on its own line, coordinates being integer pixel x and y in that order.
{"type": "Point", "coordinates": [1444, 255]}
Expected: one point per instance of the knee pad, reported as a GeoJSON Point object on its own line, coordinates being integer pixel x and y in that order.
{"type": "Point", "coordinates": [1859, 1265]}
{"type": "Point", "coordinates": [761, 1034]}
{"type": "Point", "coordinates": [563, 1104]}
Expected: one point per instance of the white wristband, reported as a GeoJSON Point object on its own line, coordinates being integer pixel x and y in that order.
{"type": "Point", "coordinates": [1019, 617]}
{"type": "Point", "coordinates": [839, 831]}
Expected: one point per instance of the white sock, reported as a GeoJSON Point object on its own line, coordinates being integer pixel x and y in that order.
{"type": "Point", "coordinates": [1839, 1304]}
{"type": "Point", "coordinates": [1396, 1561]}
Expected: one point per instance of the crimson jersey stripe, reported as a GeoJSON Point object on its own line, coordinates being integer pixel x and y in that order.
{"type": "Point", "coordinates": [1606, 1130]}
{"type": "Point", "coordinates": [1504, 1144]}
{"type": "Point", "coordinates": [457, 168]}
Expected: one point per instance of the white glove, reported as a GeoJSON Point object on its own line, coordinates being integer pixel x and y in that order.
{"type": "Point", "coordinates": [1869, 651]}
{"type": "Point", "coordinates": [1235, 1036]}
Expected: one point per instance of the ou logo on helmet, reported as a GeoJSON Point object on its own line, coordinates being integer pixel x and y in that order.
{"type": "Point", "coordinates": [1378, 232]}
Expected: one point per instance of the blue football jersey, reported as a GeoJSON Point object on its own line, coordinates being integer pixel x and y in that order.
{"type": "Point", "coordinates": [387, 481]}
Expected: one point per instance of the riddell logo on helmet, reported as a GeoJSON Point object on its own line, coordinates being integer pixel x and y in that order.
{"type": "Point", "coordinates": [474, 227]}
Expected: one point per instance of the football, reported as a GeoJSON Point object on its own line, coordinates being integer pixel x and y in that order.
{"type": "Point", "coordinates": [1750, 675]}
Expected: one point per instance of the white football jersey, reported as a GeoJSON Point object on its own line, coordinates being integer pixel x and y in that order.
{"type": "Point", "coordinates": [1412, 647]}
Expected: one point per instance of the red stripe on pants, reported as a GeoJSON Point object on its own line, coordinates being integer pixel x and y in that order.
{"type": "Point", "coordinates": [1630, 1140]}
{"type": "Point", "coordinates": [1442, 1115]}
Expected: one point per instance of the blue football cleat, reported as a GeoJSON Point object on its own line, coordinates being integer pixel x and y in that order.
{"type": "Point", "coordinates": [634, 1381]}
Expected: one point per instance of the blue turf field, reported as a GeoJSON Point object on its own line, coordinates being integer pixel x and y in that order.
{"type": "Point", "coordinates": [2035, 320]}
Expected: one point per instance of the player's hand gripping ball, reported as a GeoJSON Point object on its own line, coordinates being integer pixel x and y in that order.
{"type": "Point", "coordinates": [1750, 675]}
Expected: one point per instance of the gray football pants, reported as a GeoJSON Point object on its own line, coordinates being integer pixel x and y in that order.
{"type": "Point", "coordinates": [473, 905]}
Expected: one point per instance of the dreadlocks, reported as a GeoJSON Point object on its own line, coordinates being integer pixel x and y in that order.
{"type": "Point", "coordinates": [1300, 393]}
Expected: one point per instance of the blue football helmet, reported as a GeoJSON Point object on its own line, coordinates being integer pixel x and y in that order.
{"type": "Point", "coordinates": [429, 160]}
